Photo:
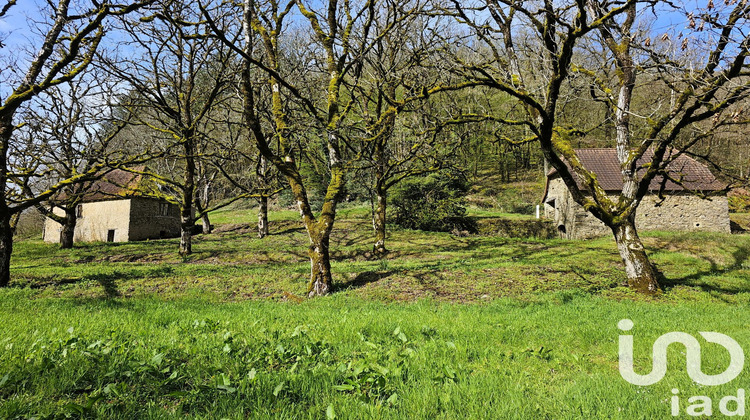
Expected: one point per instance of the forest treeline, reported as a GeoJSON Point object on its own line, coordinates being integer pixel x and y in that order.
{"type": "Point", "coordinates": [331, 101]}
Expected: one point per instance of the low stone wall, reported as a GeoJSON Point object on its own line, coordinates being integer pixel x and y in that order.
{"type": "Point", "coordinates": [509, 228]}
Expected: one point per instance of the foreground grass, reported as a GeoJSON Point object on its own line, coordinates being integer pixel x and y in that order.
{"type": "Point", "coordinates": [445, 327]}
{"type": "Point", "coordinates": [554, 356]}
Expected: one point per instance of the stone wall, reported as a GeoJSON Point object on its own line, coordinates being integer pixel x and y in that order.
{"type": "Point", "coordinates": [131, 220]}
{"type": "Point", "coordinates": [96, 220]}
{"type": "Point", "coordinates": [678, 212]}
{"type": "Point", "coordinates": [148, 222]}
{"type": "Point", "coordinates": [570, 219]}
{"type": "Point", "coordinates": [51, 231]}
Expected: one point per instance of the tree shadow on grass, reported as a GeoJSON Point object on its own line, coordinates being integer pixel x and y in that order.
{"type": "Point", "coordinates": [287, 231]}
{"type": "Point", "coordinates": [108, 281]}
{"type": "Point", "coordinates": [362, 279]}
{"type": "Point", "coordinates": [740, 257]}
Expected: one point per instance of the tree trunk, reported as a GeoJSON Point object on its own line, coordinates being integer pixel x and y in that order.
{"type": "Point", "coordinates": [6, 229]}
{"type": "Point", "coordinates": [378, 222]}
{"type": "Point", "coordinates": [186, 235]}
{"type": "Point", "coordinates": [319, 232]}
{"type": "Point", "coordinates": [642, 275]}
{"type": "Point", "coordinates": [263, 217]}
{"type": "Point", "coordinates": [186, 220]}
{"type": "Point", "coordinates": [206, 223]}
{"type": "Point", "coordinates": [381, 194]}
{"type": "Point", "coordinates": [320, 266]}
{"type": "Point", "coordinates": [69, 228]}
{"type": "Point", "coordinates": [188, 191]}
{"type": "Point", "coordinates": [6, 247]}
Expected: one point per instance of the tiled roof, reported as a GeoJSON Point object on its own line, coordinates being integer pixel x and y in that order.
{"type": "Point", "coordinates": [692, 174]}
{"type": "Point", "coordinates": [116, 184]}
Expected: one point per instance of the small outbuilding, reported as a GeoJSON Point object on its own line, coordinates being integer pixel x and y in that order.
{"type": "Point", "coordinates": [120, 207]}
{"type": "Point", "coordinates": [679, 208]}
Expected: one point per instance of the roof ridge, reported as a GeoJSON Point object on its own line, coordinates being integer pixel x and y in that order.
{"type": "Point", "coordinates": [690, 173]}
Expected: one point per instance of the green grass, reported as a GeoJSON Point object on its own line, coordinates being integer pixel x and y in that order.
{"type": "Point", "coordinates": [233, 264]}
{"type": "Point", "coordinates": [554, 357]}
{"type": "Point", "coordinates": [481, 213]}
{"type": "Point", "coordinates": [445, 327]}
{"type": "Point", "coordinates": [742, 219]}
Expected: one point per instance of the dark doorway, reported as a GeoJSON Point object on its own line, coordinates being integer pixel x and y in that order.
{"type": "Point", "coordinates": [111, 235]}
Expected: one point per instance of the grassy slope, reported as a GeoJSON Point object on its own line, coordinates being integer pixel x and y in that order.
{"type": "Point", "coordinates": [234, 265]}
{"type": "Point", "coordinates": [155, 337]}
{"type": "Point", "coordinates": [742, 219]}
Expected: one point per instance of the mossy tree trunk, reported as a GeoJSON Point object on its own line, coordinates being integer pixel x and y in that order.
{"type": "Point", "coordinates": [206, 222]}
{"type": "Point", "coordinates": [321, 279]}
{"type": "Point", "coordinates": [318, 228]}
{"type": "Point", "coordinates": [69, 227]}
{"type": "Point", "coordinates": [263, 179]}
{"type": "Point", "coordinates": [319, 231]}
{"type": "Point", "coordinates": [188, 192]}
{"type": "Point", "coordinates": [336, 47]}
{"type": "Point", "coordinates": [69, 220]}
{"type": "Point", "coordinates": [379, 220]}
{"type": "Point", "coordinates": [262, 216]}
{"type": "Point", "coordinates": [6, 245]}
{"type": "Point", "coordinates": [381, 192]}
{"type": "Point", "coordinates": [6, 214]}
{"type": "Point", "coordinates": [642, 275]}
{"type": "Point", "coordinates": [186, 234]}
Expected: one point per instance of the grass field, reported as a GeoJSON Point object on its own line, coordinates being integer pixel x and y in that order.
{"type": "Point", "coordinates": [446, 327]}
{"type": "Point", "coordinates": [742, 219]}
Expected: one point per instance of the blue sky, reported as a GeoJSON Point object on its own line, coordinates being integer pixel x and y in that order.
{"type": "Point", "coordinates": [16, 24]}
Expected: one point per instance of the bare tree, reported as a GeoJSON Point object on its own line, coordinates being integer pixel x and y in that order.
{"type": "Point", "coordinates": [703, 88]}
{"type": "Point", "coordinates": [331, 27]}
{"type": "Point", "coordinates": [401, 73]}
{"type": "Point", "coordinates": [249, 173]}
{"type": "Point", "coordinates": [69, 40]}
{"type": "Point", "coordinates": [321, 91]}
{"type": "Point", "coordinates": [69, 132]}
{"type": "Point", "coordinates": [177, 79]}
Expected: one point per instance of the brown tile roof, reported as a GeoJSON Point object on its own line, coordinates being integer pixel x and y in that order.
{"type": "Point", "coordinates": [115, 185]}
{"type": "Point", "coordinates": [694, 175]}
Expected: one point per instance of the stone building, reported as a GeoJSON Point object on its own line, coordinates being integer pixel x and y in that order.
{"type": "Point", "coordinates": [679, 210]}
{"type": "Point", "coordinates": [119, 208]}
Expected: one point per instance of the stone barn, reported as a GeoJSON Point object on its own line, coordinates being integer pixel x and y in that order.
{"type": "Point", "coordinates": [119, 208]}
{"type": "Point", "coordinates": [679, 210]}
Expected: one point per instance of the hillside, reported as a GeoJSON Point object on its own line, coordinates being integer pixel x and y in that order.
{"type": "Point", "coordinates": [232, 264]}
